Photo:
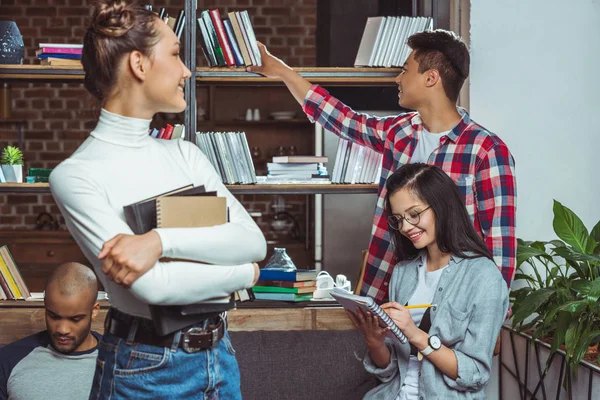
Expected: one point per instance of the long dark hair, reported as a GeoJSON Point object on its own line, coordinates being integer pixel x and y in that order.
{"type": "Point", "coordinates": [454, 231]}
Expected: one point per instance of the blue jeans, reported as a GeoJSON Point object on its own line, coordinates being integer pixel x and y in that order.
{"type": "Point", "coordinates": [140, 371]}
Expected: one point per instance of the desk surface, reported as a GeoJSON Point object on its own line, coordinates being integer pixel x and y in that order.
{"type": "Point", "coordinates": [21, 318]}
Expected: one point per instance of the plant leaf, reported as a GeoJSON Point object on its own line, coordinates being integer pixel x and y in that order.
{"type": "Point", "coordinates": [524, 277]}
{"type": "Point", "coordinates": [569, 227]}
{"type": "Point", "coordinates": [564, 319]}
{"type": "Point", "coordinates": [595, 234]}
{"type": "Point", "coordinates": [571, 255]}
{"type": "Point", "coordinates": [531, 303]}
{"type": "Point", "coordinates": [525, 252]}
{"type": "Point", "coordinates": [571, 337]}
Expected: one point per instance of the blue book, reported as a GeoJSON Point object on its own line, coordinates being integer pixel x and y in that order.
{"type": "Point", "coordinates": [237, 54]}
{"type": "Point", "coordinates": [56, 55]}
{"type": "Point", "coordinates": [280, 274]}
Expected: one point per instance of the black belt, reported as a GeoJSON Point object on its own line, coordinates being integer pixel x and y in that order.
{"type": "Point", "coordinates": [192, 340]}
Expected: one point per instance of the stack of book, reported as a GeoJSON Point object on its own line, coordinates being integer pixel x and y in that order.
{"type": "Point", "coordinates": [356, 164]}
{"type": "Point", "coordinates": [297, 169]}
{"type": "Point", "coordinates": [229, 154]}
{"type": "Point", "coordinates": [169, 132]}
{"type": "Point", "coordinates": [58, 54]}
{"type": "Point", "coordinates": [292, 169]}
{"type": "Point", "coordinates": [12, 285]}
{"type": "Point", "coordinates": [285, 285]}
{"type": "Point", "coordinates": [384, 40]}
{"type": "Point", "coordinates": [230, 41]}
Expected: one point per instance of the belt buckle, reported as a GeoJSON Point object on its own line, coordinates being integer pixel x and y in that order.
{"type": "Point", "coordinates": [190, 333]}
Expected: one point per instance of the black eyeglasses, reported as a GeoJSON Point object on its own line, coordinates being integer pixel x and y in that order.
{"type": "Point", "coordinates": [413, 217]}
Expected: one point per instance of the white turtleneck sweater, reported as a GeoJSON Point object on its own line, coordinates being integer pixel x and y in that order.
{"type": "Point", "coordinates": [120, 164]}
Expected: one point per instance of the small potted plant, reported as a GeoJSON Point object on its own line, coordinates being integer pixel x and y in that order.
{"type": "Point", "coordinates": [12, 164]}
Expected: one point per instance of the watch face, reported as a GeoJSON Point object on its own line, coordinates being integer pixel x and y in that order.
{"type": "Point", "coordinates": [435, 342]}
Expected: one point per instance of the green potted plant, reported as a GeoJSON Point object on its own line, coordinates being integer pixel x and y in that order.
{"type": "Point", "coordinates": [11, 163]}
{"type": "Point", "coordinates": [560, 302]}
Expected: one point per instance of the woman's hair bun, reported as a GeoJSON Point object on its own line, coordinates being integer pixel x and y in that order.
{"type": "Point", "coordinates": [113, 18]}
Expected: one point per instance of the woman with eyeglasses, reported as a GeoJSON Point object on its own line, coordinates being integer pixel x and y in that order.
{"type": "Point", "coordinates": [443, 263]}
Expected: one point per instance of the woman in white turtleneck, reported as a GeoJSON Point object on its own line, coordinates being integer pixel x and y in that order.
{"type": "Point", "coordinates": [132, 65]}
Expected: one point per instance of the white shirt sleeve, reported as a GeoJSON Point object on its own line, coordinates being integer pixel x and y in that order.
{"type": "Point", "coordinates": [93, 221]}
{"type": "Point", "coordinates": [238, 241]}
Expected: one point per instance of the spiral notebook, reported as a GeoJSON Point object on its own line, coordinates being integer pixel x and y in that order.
{"type": "Point", "coordinates": [351, 301]}
{"type": "Point", "coordinates": [190, 211]}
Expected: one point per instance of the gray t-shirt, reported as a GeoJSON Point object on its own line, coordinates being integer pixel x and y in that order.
{"type": "Point", "coordinates": [427, 142]}
{"type": "Point", "coordinates": [31, 369]}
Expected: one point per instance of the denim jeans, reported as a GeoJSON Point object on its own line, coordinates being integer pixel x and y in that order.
{"type": "Point", "coordinates": [138, 371]}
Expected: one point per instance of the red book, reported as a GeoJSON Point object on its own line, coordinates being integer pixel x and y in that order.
{"type": "Point", "coordinates": [161, 133]}
{"type": "Point", "coordinates": [222, 36]}
{"type": "Point", "coordinates": [168, 132]}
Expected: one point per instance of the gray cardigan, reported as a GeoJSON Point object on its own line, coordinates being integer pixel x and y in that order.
{"type": "Point", "coordinates": [472, 301]}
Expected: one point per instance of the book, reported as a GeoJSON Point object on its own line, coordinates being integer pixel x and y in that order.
{"type": "Point", "coordinates": [14, 270]}
{"type": "Point", "coordinates": [141, 216]}
{"type": "Point", "coordinates": [280, 274]}
{"type": "Point", "coordinates": [300, 159]}
{"type": "Point", "coordinates": [60, 61]}
{"type": "Point", "coordinates": [8, 282]}
{"type": "Point", "coordinates": [283, 296]}
{"type": "Point", "coordinates": [61, 45]}
{"type": "Point", "coordinates": [247, 24]}
{"type": "Point", "coordinates": [214, 39]}
{"type": "Point", "coordinates": [276, 289]}
{"type": "Point", "coordinates": [240, 38]}
{"type": "Point", "coordinates": [59, 50]}
{"type": "Point", "coordinates": [222, 37]}
{"type": "Point", "coordinates": [287, 284]}
{"type": "Point", "coordinates": [190, 211]}
{"type": "Point", "coordinates": [351, 301]}
{"type": "Point", "coordinates": [237, 54]}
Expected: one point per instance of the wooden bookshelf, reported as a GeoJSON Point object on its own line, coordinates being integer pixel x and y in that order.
{"type": "Point", "coordinates": [41, 73]}
{"type": "Point", "coordinates": [235, 189]}
{"type": "Point", "coordinates": [22, 318]}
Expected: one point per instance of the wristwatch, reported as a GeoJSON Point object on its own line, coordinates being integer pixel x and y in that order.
{"type": "Point", "coordinates": [434, 344]}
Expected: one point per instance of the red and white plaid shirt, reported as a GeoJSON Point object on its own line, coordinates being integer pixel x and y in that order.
{"type": "Point", "coordinates": [476, 159]}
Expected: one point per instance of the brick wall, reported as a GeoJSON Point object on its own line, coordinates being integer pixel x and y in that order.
{"type": "Point", "coordinates": [60, 116]}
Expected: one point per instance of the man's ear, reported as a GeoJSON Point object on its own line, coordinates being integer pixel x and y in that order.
{"type": "Point", "coordinates": [138, 63]}
{"type": "Point", "coordinates": [95, 310]}
{"type": "Point", "coordinates": [432, 77]}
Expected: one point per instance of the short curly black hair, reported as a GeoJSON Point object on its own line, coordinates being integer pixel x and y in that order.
{"type": "Point", "coordinates": [446, 52]}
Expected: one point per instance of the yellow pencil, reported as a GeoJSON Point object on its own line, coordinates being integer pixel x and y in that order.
{"type": "Point", "coordinates": [416, 306]}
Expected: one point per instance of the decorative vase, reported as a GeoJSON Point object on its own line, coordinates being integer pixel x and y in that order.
{"type": "Point", "coordinates": [12, 48]}
{"type": "Point", "coordinates": [280, 259]}
{"type": "Point", "coordinates": [12, 173]}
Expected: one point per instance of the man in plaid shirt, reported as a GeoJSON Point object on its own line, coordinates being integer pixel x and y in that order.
{"type": "Point", "coordinates": [438, 133]}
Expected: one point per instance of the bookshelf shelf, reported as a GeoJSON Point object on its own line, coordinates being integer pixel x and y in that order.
{"type": "Point", "coordinates": [40, 73]}
{"type": "Point", "coordinates": [266, 122]}
{"type": "Point", "coordinates": [219, 76]}
{"type": "Point", "coordinates": [331, 76]}
{"type": "Point", "coordinates": [235, 189]}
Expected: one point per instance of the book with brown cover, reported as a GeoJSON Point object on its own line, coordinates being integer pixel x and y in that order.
{"type": "Point", "coordinates": [141, 216]}
{"type": "Point", "coordinates": [190, 211]}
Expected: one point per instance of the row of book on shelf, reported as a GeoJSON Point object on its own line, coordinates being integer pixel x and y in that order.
{"type": "Point", "coordinates": [229, 154]}
{"type": "Point", "coordinates": [12, 284]}
{"type": "Point", "coordinates": [355, 163]}
{"type": "Point", "coordinates": [68, 54]}
{"type": "Point", "coordinates": [381, 36]}
{"type": "Point", "coordinates": [168, 132]}
{"type": "Point", "coordinates": [228, 41]}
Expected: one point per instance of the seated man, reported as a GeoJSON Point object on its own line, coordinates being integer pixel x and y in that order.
{"type": "Point", "coordinates": [57, 363]}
